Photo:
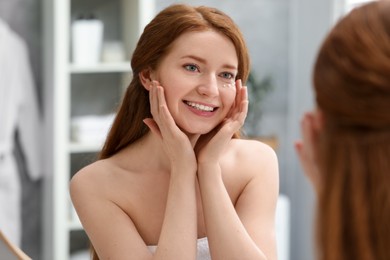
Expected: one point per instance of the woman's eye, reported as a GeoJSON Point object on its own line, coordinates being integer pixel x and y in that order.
{"type": "Point", "coordinates": [227, 75]}
{"type": "Point", "coordinates": [191, 67]}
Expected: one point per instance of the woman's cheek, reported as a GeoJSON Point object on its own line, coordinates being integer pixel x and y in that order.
{"type": "Point", "coordinates": [229, 98]}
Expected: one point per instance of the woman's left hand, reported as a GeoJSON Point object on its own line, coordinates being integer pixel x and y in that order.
{"type": "Point", "coordinates": [306, 147]}
{"type": "Point", "coordinates": [210, 146]}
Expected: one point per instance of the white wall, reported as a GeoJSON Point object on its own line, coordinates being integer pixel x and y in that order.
{"type": "Point", "coordinates": [309, 22]}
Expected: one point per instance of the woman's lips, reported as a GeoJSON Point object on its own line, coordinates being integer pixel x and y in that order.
{"type": "Point", "coordinates": [201, 109]}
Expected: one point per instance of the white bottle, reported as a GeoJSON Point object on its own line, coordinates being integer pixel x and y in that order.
{"type": "Point", "coordinates": [87, 37]}
{"type": "Point", "coordinates": [113, 51]}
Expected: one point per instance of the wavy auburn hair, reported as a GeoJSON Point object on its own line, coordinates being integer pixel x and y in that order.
{"type": "Point", "coordinates": [352, 87]}
{"type": "Point", "coordinates": [153, 45]}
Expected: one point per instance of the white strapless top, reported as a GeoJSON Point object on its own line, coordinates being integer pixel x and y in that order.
{"type": "Point", "coordinates": [203, 252]}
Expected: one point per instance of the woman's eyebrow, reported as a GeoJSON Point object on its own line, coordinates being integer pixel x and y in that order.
{"type": "Point", "coordinates": [195, 58]}
{"type": "Point", "coordinates": [201, 60]}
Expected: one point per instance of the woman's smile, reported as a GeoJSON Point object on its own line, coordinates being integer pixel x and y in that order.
{"type": "Point", "coordinates": [201, 109]}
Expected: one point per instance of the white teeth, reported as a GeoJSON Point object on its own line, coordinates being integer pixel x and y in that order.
{"type": "Point", "coordinates": [200, 107]}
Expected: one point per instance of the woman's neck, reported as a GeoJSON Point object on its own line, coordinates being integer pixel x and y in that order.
{"type": "Point", "coordinates": [149, 152]}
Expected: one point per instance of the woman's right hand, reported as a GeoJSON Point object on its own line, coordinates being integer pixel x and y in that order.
{"type": "Point", "coordinates": [176, 144]}
{"type": "Point", "coordinates": [181, 204]}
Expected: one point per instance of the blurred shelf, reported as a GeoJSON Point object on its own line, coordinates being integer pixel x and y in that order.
{"type": "Point", "coordinates": [124, 20]}
{"type": "Point", "coordinates": [84, 147]}
{"type": "Point", "coordinates": [108, 67]}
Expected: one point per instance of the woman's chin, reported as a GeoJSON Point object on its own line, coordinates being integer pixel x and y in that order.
{"type": "Point", "coordinates": [196, 130]}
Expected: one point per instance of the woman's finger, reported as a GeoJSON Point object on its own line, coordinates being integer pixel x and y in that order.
{"type": "Point", "coordinates": [166, 122]}
{"type": "Point", "coordinates": [239, 92]}
{"type": "Point", "coordinates": [244, 100]}
{"type": "Point", "coordinates": [242, 107]}
{"type": "Point", "coordinates": [152, 125]}
{"type": "Point", "coordinates": [305, 149]}
{"type": "Point", "coordinates": [153, 102]}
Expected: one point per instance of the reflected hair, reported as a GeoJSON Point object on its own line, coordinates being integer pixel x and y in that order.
{"type": "Point", "coordinates": [352, 89]}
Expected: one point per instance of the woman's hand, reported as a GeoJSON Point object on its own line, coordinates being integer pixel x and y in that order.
{"type": "Point", "coordinates": [176, 144]}
{"type": "Point", "coordinates": [305, 148]}
{"type": "Point", "coordinates": [210, 146]}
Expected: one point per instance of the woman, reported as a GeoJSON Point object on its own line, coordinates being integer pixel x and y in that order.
{"type": "Point", "coordinates": [173, 180]}
{"type": "Point", "coordinates": [346, 141]}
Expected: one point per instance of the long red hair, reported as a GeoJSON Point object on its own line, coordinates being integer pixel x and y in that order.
{"type": "Point", "coordinates": [352, 88]}
{"type": "Point", "coordinates": [152, 46]}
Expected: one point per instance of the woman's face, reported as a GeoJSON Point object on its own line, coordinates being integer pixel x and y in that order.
{"type": "Point", "coordinates": [198, 77]}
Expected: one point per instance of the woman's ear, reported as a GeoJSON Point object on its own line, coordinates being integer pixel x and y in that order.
{"type": "Point", "coordinates": [145, 78]}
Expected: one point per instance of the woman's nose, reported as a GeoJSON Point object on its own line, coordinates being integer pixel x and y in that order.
{"type": "Point", "coordinates": [209, 87]}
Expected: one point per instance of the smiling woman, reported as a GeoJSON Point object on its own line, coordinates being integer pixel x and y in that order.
{"type": "Point", "coordinates": [173, 172]}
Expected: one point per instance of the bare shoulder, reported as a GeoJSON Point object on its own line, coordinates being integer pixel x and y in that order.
{"type": "Point", "coordinates": [94, 182]}
{"type": "Point", "coordinates": [99, 192]}
{"type": "Point", "coordinates": [253, 155]}
{"type": "Point", "coordinates": [90, 177]}
{"type": "Point", "coordinates": [250, 161]}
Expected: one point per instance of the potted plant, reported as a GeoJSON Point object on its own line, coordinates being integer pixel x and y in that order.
{"type": "Point", "coordinates": [257, 91]}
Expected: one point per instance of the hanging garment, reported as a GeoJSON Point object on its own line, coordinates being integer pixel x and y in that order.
{"type": "Point", "coordinates": [19, 111]}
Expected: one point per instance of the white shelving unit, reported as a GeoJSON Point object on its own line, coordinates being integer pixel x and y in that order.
{"type": "Point", "coordinates": [100, 68]}
{"type": "Point", "coordinates": [63, 233]}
